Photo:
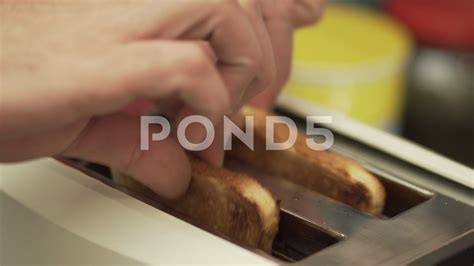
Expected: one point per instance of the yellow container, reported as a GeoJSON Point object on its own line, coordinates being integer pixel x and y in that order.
{"type": "Point", "coordinates": [353, 62]}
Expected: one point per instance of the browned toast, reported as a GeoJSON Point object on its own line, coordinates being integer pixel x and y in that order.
{"type": "Point", "coordinates": [325, 172]}
{"type": "Point", "coordinates": [227, 202]}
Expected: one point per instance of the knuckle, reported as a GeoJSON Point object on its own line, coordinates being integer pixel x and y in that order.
{"type": "Point", "coordinates": [254, 64]}
{"type": "Point", "coordinates": [197, 62]}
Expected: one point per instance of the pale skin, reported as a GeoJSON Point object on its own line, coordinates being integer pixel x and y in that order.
{"type": "Point", "coordinates": [69, 68]}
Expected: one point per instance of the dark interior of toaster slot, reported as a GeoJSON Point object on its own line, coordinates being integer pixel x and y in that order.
{"type": "Point", "coordinates": [296, 238]}
{"type": "Point", "coordinates": [400, 195]}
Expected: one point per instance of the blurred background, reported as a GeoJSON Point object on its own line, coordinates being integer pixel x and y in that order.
{"type": "Point", "coordinates": [405, 66]}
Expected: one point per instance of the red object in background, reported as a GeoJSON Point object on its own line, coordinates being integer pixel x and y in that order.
{"type": "Point", "coordinates": [445, 23]}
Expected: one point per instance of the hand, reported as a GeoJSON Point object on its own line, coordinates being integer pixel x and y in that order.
{"type": "Point", "coordinates": [281, 18]}
{"type": "Point", "coordinates": [68, 67]}
{"type": "Point", "coordinates": [275, 20]}
{"type": "Point", "coordinates": [71, 66]}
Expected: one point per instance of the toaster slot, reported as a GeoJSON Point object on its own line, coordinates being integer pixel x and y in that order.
{"type": "Point", "coordinates": [309, 223]}
{"type": "Point", "coordinates": [400, 195]}
{"type": "Point", "coordinates": [296, 238]}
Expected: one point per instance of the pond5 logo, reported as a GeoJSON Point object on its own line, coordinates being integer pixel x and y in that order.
{"type": "Point", "coordinates": [231, 129]}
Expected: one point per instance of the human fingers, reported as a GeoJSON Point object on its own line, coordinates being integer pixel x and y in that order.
{"type": "Point", "coordinates": [38, 144]}
{"type": "Point", "coordinates": [255, 12]}
{"type": "Point", "coordinates": [154, 70]}
{"type": "Point", "coordinates": [114, 140]}
{"type": "Point", "coordinates": [233, 37]}
{"type": "Point", "coordinates": [278, 19]}
{"type": "Point", "coordinates": [111, 79]}
{"type": "Point", "coordinates": [307, 12]}
{"type": "Point", "coordinates": [214, 154]}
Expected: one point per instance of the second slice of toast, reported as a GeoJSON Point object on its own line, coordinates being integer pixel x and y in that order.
{"type": "Point", "coordinates": [324, 172]}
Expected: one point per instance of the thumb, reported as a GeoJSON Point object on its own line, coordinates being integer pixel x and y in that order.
{"type": "Point", "coordinates": [114, 140]}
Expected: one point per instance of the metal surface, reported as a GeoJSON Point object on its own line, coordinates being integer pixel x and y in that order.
{"type": "Point", "coordinates": [424, 211]}
{"type": "Point", "coordinates": [459, 251]}
{"type": "Point", "coordinates": [372, 240]}
{"type": "Point", "coordinates": [396, 148]}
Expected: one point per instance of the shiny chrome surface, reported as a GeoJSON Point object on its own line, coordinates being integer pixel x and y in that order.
{"type": "Point", "coordinates": [424, 212]}
{"type": "Point", "coordinates": [369, 240]}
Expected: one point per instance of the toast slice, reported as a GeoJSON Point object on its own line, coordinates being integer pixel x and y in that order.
{"type": "Point", "coordinates": [324, 172]}
{"type": "Point", "coordinates": [227, 202]}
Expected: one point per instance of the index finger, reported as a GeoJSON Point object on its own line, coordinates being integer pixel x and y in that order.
{"type": "Point", "coordinates": [235, 44]}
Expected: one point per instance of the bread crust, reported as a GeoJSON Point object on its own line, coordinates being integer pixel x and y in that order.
{"type": "Point", "coordinates": [324, 172]}
{"type": "Point", "coordinates": [227, 202]}
{"type": "Point", "coordinates": [237, 206]}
